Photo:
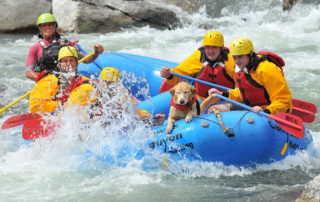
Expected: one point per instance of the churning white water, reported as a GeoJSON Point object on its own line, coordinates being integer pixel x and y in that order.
{"type": "Point", "coordinates": [53, 169]}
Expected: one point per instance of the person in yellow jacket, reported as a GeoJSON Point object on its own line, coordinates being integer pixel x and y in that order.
{"type": "Point", "coordinates": [113, 95]}
{"type": "Point", "coordinates": [211, 62]}
{"type": "Point", "coordinates": [261, 82]}
{"type": "Point", "coordinates": [63, 88]}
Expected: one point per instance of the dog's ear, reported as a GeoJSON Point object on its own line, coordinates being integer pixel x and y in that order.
{"type": "Point", "coordinates": [172, 91]}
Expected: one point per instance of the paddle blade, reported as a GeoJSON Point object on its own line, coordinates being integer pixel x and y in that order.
{"type": "Point", "coordinates": [305, 110]}
{"type": "Point", "coordinates": [290, 123]}
{"type": "Point", "coordinates": [18, 120]}
{"type": "Point", "coordinates": [308, 106]}
{"type": "Point", "coordinates": [38, 128]}
{"type": "Point", "coordinates": [306, 116]}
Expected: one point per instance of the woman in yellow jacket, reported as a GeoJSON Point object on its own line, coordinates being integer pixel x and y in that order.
{"type": "Point", "coordinates": [62, 88]}
{"type": "Point", "coordinates": [261, 83]}
{"type": "Point", "coordinates": [211, 62]}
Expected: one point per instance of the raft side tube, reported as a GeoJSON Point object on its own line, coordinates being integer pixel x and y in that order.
{"type": "Point", "coordinates": [145, 71]}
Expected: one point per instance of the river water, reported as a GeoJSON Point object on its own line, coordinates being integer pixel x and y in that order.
{"type": "Point", "coordinates": [49, 170]}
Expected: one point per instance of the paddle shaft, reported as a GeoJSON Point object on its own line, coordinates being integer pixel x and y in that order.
{"type": "Point", "coordinates": [200, 81]}
{"type": "Point", "coordinates": [277, 119]}
{"type": "Point", "coordinates": [86, 57]}
{"type": "Point", "coordinates": [14, 102]}
{"type": "Point", "coordinates": [86, 52]}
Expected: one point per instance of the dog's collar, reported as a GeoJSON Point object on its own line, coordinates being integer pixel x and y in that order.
{"type": "Point", "coordinates": [183, 107]}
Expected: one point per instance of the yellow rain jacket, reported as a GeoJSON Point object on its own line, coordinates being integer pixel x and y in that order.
{"type": "Point", "coordinates": [43, 94]}
{"type": "Point", "coordinates": [272, 79]}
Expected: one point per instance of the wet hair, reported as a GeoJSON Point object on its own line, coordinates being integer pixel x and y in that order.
{"type": "Point", "coordinates": [253, 60]}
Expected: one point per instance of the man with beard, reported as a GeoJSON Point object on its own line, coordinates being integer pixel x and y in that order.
{"type": "Point", "coordinates": [63, 88]}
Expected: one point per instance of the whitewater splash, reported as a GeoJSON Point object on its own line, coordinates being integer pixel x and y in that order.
{"type": "Point", "coordinates": [50, 169]}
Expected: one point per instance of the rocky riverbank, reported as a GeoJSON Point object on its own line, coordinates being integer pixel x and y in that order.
{"type": "Point", "coordinates": [87, 16]}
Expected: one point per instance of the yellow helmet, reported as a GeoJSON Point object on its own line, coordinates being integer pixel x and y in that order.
{"type": "Point", "coordinates": [109, 74]}
{"type": "Point", "coordinates": [241, 46]}
{"type": "Point", "coordinates": [213, 38]}
{"type": "Point", "coordinates": [67, 51]}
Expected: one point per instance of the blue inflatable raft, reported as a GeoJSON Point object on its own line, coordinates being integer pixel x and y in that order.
{"type": "Point", "coordinates": [250, 138]}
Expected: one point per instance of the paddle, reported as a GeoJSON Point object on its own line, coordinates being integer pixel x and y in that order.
{"type": "Point", "coordinates": [303, 109]}
{"type": "Point", "coordinates": [14, 102]}
{"type": "Point", "coordinates": [18, 120]}
{"type": "Point", "coordinates": [85, 52]}
{"type": "Point", "coordinates": [200, 81]}
{"type": "Point", "coordinates": [38, 128]}
{"type": "Point", "coordinates": [290, 123]}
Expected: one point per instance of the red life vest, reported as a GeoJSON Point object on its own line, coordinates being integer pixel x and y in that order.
{"type": "Point", "coordinates": [213, 73]}
{"type": "Point", "coordinates": [183, 107]}
{"type": "Point", "coordinates": [272, 57]}
{"type": "Point", "coordinates": [254, 94]}
{"type": "Point", "coordinates": [74, 83]}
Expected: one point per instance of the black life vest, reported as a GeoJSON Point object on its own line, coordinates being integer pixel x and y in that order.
{"type": "Point", "coordinates": [49, 59]}
{"type": "Point", "coordinates": [213, 72]}
{"type": "Point", "coordinates": [254, 94]}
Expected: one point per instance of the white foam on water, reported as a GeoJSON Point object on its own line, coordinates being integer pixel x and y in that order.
{"type": "Point", "coordinates": [53, 168]}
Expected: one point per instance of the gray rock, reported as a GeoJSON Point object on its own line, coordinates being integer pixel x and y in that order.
{"type": "Point", "coordinates": [108, 15]}
{"type": "Point", "coordinates": [111, 15]}
{"type": "Point", "coordinates": [288, 4]}
{"type": "Point", "coordinates": [66, 15]}
{"type": "Point", "coordinates": [21, 15]}
{"type": "Point", "coordinates": [311, 191]}
{"type": "Point", "coordinates": [213, 7]}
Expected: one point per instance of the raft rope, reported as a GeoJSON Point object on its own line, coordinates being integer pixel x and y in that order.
{"type": "Point", "coordinates": [230, 129]}
{"type": "Point", "coordinates": [224, 128]}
